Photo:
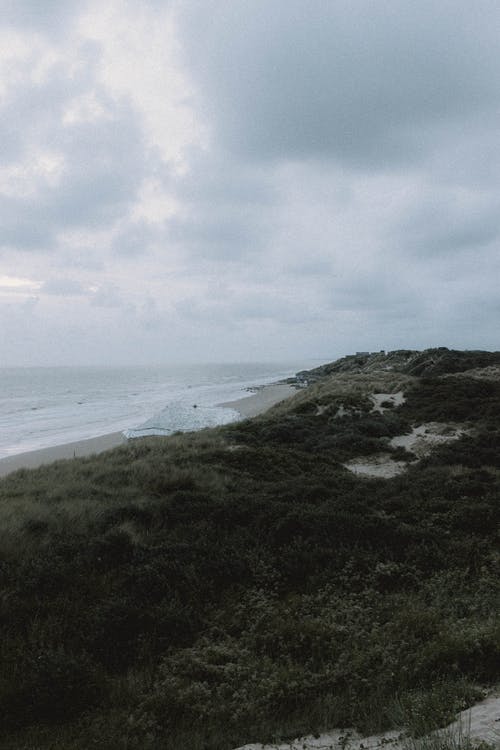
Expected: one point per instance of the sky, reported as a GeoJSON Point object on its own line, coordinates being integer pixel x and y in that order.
{"type": "Point", "coordinates": [247, 180]}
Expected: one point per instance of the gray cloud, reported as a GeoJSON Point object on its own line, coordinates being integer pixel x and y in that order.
{"type": "Point", "coordinates": [346, 196]}
{"type": "Point", "coordinates": [449, 223]}
{"type": "Point", "coordinates": [108, 297]}
{"type": "Point", "coordinates": [216, 235]}
{"type": "Point", "coordinates": [363, 82]}
{"type": "Point", "coordinates": [32, 113]}
{"type": "Point", "coordinates": [62, 287]}
{"type": "Point", "coordinates": [50, 16]}
{"type": "Point", "coordinates": [228, 210]}
{"type": "Point", "coordinates": [251, 306]}
{"type": "Point", "coordinates": [103, 164]}
{"type": "Point", "coordinates": [136, 239]}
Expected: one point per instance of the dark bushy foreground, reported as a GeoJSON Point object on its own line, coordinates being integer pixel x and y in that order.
{"type": "Point", "coordinates": [239, 584]}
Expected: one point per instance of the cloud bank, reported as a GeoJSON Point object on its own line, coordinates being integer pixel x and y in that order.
{"type": "Point", "coordinates": [247, 179]}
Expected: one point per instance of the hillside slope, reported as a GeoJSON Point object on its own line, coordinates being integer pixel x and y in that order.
{"type": "Point", "coordinates": [241, 584]}
{"type": "Point", "coordinates": [430, 362]}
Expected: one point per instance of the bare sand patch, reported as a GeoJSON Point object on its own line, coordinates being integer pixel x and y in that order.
{"type": "Point", "coordinates": [381, 403]}
{"type": "Point", "coordinates": [349, 388]}
{"type": "Point", "coordinates": [384, 401]}
{"type": "Point", "coordinates": [422, 439]}
{"type": "Point", "coordinates": [379, 466]}
{"type": "Point", "coordinates": [481, 723]}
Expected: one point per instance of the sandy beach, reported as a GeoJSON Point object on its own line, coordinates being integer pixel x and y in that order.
{"type": "Point", "coordinates": [78, 449]}
{"type": "Point", "coordinates": [261, 400]}
{"type": "Point", "coordinates": [248, 406]}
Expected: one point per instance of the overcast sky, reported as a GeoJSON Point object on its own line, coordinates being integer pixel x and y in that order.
{"type": "Point", "coordinates": [225, 180]}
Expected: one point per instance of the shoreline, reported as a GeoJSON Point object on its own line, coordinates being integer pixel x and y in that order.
{"type": "Point", "coordinates": [77, 449]}
{"type": "Point", "coordinates": [261, 400]}
{"type": "Point", "coordinates": [248, 406]}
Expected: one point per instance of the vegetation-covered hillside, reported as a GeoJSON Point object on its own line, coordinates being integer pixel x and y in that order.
{"type": "Point", "coordinates": [430, 362]}
{"type": "Point", "coordinates": [241, 584]}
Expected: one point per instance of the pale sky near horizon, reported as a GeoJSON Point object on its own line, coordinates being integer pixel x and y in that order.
{"type": "Point", "coordinates": [225, 180]}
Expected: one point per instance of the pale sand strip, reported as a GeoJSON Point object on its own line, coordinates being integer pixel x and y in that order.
{"type": "Point", "coordinates": [80, 448]}
{"type": "Point", "coordinates": [481, 723]}
{"type": "Point", "coordinates": [261, 400]}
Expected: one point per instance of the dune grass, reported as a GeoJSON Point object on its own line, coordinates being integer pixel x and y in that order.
{"type": "Point", "coordinates": [239, 584]}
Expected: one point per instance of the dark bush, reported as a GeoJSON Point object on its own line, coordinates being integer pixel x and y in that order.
{"type": "Point", "coordinates": [48, 686]}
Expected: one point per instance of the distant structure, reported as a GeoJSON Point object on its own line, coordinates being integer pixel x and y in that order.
{"type": "Point", "coordinates": [362, 354]}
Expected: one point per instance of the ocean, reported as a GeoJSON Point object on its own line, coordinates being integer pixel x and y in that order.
{"type": "Point", "coordinates": [45, 406]}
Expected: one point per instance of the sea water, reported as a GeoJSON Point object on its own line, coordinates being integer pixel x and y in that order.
{"type": "Point", "coordinates": [46, 406]}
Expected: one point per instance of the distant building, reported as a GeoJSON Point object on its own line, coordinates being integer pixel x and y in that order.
{"type": "Point", "coordinates": [362, 354]}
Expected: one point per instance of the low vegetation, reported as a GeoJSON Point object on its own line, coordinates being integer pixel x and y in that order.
{"type": "Point", "coordinates": [239, 584]}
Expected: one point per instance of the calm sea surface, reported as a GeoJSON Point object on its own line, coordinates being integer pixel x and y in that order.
{"type": "Point", "coordinates": [45, 406]}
